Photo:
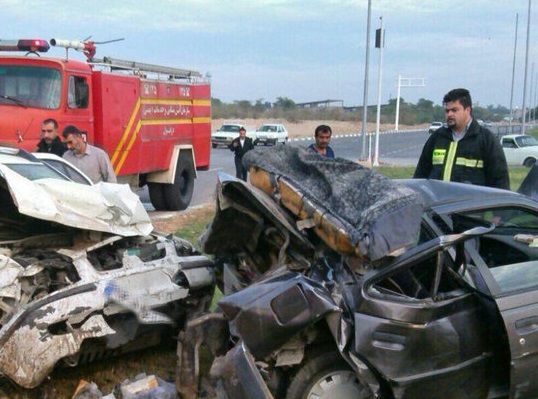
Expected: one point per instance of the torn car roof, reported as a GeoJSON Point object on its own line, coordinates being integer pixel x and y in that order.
{"type": "Point", "coordinates": [354, 209]}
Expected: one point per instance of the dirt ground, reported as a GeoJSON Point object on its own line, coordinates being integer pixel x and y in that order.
{"type": "Point", "coordinates": [170, 222]}
{"type": "Point", "coordinates": [306, 128]}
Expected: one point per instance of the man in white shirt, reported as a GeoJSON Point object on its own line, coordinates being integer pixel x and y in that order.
{"type": "Point", "coordinates": [93, 161]}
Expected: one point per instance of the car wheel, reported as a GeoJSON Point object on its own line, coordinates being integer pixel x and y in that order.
{"type": "Point", "coordinates": [178, 195]}
{"type": "Point", "coordinates": [327, 376]}
{"type": "Point", "coordinates": [213, 145]}
{"type": "Point", "coordinates": [529, 162]}
{"type": "Point", "coordinates": [156, 196]}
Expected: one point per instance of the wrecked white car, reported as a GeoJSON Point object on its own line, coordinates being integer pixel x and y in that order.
{"type": "Point", "coordinates": [81, 274]}
{"type": "Point", "coordinates": [340, 284]}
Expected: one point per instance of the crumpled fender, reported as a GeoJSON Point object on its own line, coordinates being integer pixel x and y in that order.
{"type": "Point", "coordinates": [267, 314]}
{"type": "Point", "coordinates": [239, 376]}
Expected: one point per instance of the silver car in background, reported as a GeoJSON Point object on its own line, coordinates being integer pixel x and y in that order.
{"type": "Point", "coordinates": [271, 134]}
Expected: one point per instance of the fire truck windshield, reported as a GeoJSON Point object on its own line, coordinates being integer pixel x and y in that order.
{"type": "Point", "coordinates": [30, 86]}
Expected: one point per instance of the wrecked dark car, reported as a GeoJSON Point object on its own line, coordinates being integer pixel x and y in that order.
{"type": "Point", "coordinates": [82, 275]}
{"type": "Point", "coordinates": [340, 283]}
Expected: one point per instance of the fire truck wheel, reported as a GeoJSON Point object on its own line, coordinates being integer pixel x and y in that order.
{"type": "Point", "coordinates": [178, 196]}
{"type": "Point", "coordinates": [156, 196]}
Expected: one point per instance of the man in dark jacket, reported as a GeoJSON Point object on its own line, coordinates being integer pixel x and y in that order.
{"type": "Point", "coordinates": [50, 142]}
{"type": "Point", "coordinates": [240, 146]}
{"type": "Point", "coordinates": [463, 151]}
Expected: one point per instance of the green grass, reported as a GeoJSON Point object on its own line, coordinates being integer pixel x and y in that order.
{"type": "Point", "coordinates": [396, 172]}
{"type": "Point", "coordinates": [533, 132]}
{"type": "Point", "coordinates": [517, 173]}
{"type": "Point", "coordinates": [195, 224]}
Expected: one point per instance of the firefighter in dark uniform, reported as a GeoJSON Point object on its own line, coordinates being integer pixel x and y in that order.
{"type": "Point", "coordinates": [463, 151]}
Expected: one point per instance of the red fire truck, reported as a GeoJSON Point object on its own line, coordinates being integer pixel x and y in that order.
{"type": "Point", "coordinates": [153, 121]}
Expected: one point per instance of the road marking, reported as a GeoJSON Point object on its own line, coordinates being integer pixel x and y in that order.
{"type": "Point", "coordinates": [360, 134]}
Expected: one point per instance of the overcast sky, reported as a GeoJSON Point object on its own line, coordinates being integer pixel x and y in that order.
{"type": "Point", "coordinates": [306, 50]}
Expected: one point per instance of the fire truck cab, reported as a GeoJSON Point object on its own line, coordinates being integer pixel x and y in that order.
{"type": "Point", "coordinates": [153, 121]}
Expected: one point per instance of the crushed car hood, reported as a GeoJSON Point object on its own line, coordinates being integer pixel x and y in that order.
{"type": "Point", "coordinates": [105, 207]}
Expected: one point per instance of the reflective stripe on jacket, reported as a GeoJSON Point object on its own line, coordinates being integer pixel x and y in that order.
{"type": "Point", "coordinates": [477, 158]}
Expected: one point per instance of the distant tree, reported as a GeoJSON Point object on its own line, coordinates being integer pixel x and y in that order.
{"type": "Point", "coordinates": [438, 113]}
{"type": "Point", "coordinates": [425, 104]}
{"type": "Point", "coordinates": [243, 104]}
{"type": "Point", "coordinates": [424, 111]}
{"type": "Point", "coordinates": [285, 103]}
{"type": "Point", "coordinates": [259, 106]}
{"type": "Point", "coordinates": [481, 113]}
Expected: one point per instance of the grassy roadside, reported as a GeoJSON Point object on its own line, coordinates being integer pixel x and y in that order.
{"type": "Point", "coordinates": [517, 173]}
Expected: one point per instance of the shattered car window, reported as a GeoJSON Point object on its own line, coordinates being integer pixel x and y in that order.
{"type": "Point", "coordinates": [507, 217]}
{"type": "Point", "coordinates": [416, 282]}
{"type": "Point", "coordinates": [35, 171]}
{"type": "Point", "coordinates": [511, 250]}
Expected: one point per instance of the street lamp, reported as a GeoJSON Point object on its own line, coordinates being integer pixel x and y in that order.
{"type": "Point", "coordinates": [379, 43]}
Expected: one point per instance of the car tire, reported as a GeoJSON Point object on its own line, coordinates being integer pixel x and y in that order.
{"type": "Point", "coordinates": [529, 162]}
{"type": "Point", "coordinates": [326, 375]}
{"type": "Point", "coordinates": [213, 145]}
{"type": "Point", "coordinates": [178, 195]}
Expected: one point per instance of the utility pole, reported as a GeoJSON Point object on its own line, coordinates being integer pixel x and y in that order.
{"type": "Point", "coordinates": [534, 104]}
{"type": "Point", "coordinates": [526, 67]}
{"type": "Point", "coordinates": [379, 43]}
{"type": "Point", "coordinates": [513, 75]}
{"type": "Point", "coordinates": [365, 99]}
{"type": "Point", "coordinates": [530, 93]}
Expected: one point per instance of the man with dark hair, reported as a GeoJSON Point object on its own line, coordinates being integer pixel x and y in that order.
{"type": "Point", "coordinates": [463, 151]}
{"type": "Point", "coordinates": [323, 135]}
{"type": "Point", "coordinates": [240, 146]}
{"type": "Point", "coordinates": [50, 142]}
{"type": "Point", "coordinates": [91, 160]}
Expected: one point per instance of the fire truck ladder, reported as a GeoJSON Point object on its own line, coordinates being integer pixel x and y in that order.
{"type": "Point", "coordinates": [173, 73]}
{"type": "Point", "coordinates": [89, 49]}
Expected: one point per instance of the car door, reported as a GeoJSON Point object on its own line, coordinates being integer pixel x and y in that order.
{"type": "Point", "coordinates": [507, 259]}
{"type": "Point", "coordinates": [280, 134]}
{"type": "Point", "coordinates": [511, 151]}
{"type": "Point", "coordinates": [420, 329]}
